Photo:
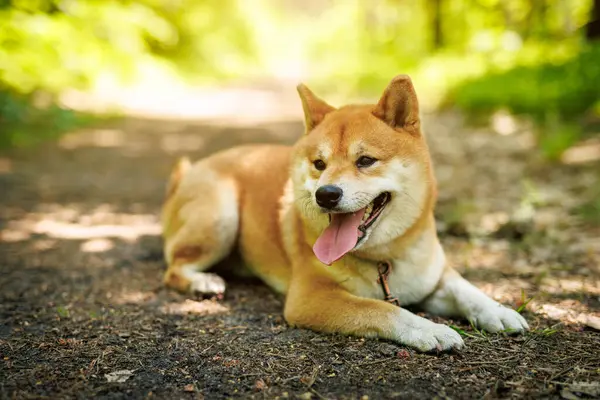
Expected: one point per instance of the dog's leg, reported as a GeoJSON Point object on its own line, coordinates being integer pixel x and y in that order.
{"type": "Point", "coordinates": [455, 296]}
{"type": "Point", "coordinates": [205, 232]}
{"type": "Point", "coordinates": [318, 303]}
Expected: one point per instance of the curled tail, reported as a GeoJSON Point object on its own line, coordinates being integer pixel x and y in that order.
{"type": "Point", "coordinates": [180, 168]}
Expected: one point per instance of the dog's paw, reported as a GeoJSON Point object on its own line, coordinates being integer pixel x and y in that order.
{"type": "Point", "coordinates": [494, 317]}
{"type": "Point", "coordinates": [206, 284]}
{"type": "Point", "coordinates": [428, 336]}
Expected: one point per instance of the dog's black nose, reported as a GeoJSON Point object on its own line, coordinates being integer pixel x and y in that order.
{"type": "Point", "coordinates": [328, 196]}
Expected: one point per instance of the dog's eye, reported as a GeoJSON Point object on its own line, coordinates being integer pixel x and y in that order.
{"type": "Point", "coordinates": [365, 161]}
{"type": "Point", "coordinates": [319, 165]}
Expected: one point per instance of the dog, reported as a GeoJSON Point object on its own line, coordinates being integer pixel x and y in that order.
{"type": "Point", "coordinates": [341, 223]}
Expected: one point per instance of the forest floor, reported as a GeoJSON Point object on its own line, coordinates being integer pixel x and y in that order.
{"type": "Point", "coordinates": [83, 313]}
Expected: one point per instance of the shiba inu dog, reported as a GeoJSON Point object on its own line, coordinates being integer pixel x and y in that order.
{"type": "Point", "coordinates": [341, 223]}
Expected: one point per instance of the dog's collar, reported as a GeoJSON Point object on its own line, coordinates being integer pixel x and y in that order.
{"type": "Point", "coordinates": [383, 270]}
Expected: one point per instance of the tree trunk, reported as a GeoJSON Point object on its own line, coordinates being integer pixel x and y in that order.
{"type": "Point", "coordinates": [436, 23]}
{"type": "Point", "coordinates": [593, 27]}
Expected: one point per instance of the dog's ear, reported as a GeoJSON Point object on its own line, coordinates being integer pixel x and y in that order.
{"type": "Point", "coordinates": [315, 109]}
{"type": "Point", "coordinates": [398, 106]}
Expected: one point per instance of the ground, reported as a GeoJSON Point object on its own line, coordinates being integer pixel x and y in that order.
{"type": "Point", "coordinates": [83, 313]}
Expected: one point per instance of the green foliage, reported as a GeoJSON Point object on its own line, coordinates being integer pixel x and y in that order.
{"type": "Point", "coordinates": [56, 44]}
{"type": "Point", "coordinates": [566, 89]}
{"type": "Point", "coordinates": [23, 124]}
{"type": "Point", "coordinates": [462, 332]}
{"type": "Point", "coordinates": [47, 46]}
{"type": "Point", "coordinates": [523, 55]}
{"type": "Point", "coordinates": [554, 94]}
{"type": "Point", "coordinates": [62, 312]}
{"type": "Point", "coordinates": [557, 136]}
{"type": "Point", "coordinates": [524, 302]}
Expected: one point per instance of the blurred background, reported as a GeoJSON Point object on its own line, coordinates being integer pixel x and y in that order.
{"type": "Point", "coordinates": [533, 58]}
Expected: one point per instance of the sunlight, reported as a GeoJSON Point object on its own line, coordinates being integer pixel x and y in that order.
{"type": "Point", "coordinates": [568, 311]}
{"type": "Point", "coordinates": [204, 307]}
{"type": "Point", "coordinates": [582, 153]}
{"type": "Point", "coordinates": [93, 137]}
{"type": "Point", "coordinates": [5, 165]}
{"type": "Point", "coordinates": [96, 246]}
{"type": "Point", "coordinates": [188, 306]}
{"type": "Point", "coordinates": [133, 297]}
{"type": "Point", "coordinates": [60, 222]}
{"type": "Point", "coordinates": [491, 222]}
{"type": "Point", "coordinates": [13, 235]}
{"type": "Point", "coordinates": [160, 94]}
{"type": "Point", "coordinates": [507, 291]}
{"type": "Point", "coordinates": [503, 123]}
{"type": "Point", "coordinates": [174, 143]}
{"type": "Point", "coordinates": [570, 286]}
{"type": "Point", "coordinates": [62, 230]}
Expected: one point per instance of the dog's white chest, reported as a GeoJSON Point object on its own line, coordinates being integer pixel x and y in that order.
{"type": "Point", "coordinates": [411, 278]}
{"type": "Point", "coordinates": [415, 277]}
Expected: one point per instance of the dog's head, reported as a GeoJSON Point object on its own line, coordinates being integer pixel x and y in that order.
{"type": "Point", "coordinates": [361, 173]}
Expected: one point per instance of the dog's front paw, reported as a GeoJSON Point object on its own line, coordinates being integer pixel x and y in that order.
{"type": "Point", "coordinates": [494, 317]}
{"type": "Point", "coordinates": [425, 336]}
{"type": "Point", "coordinates": [206, 284]}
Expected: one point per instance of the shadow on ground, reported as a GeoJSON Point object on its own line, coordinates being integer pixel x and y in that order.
{"type": "Point", "coordinates": [82, 312]}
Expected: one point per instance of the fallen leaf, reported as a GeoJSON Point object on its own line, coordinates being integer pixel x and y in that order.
{"type": "Point", "coordinates": [305, 379]}
{"type": "Point", "coordinates": [231, 363]}
{"type": "Point", "coordinates": [260, 385]}
{"type": "Point", "coordinates": [403, 354]}
{"type": "Point", "coordinates": [189, 388]}
{"type": "Point", "coordinates": [119, 376]}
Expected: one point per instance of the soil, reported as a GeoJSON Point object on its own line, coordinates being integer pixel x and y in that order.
{"type": "Point", "coordinates": [83, 313]}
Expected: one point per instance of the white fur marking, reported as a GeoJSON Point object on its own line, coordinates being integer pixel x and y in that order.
{"type": "Point", "coordinates": [202, 282]}
{"type": "Point", "coordinates": [457, 296]}
{"type": "Point", "coordinates": [413, 277]}
{"type": "Point", "coordinates": [424, 335]}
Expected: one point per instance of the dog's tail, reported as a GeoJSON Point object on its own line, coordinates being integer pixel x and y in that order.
{"type": "Point", "coordinates": [180, 168]}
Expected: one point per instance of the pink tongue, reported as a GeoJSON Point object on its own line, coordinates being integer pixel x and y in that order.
{"type": "Point", "coordinates": [339, 237]}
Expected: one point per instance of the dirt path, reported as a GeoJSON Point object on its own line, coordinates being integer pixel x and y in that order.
{"type": "Point", "coordinates": [81, 262]}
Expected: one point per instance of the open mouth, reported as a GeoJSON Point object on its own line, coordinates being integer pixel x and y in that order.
{"type": "Point", "coordinates": [347, 230]}
{"type": "Point", "coordinates": [372, 212]}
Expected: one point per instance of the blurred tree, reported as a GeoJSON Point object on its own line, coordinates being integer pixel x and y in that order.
{"type": "Point", "coordinates": [49, 45]}
{"type": "Point", "coordinates": [593, 26]}
{"type": "Point", "coordinates": [435, 7]}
